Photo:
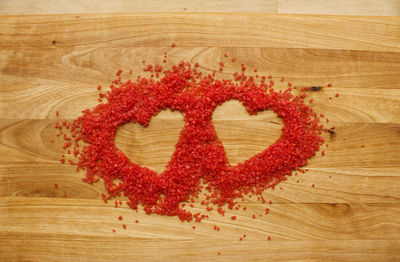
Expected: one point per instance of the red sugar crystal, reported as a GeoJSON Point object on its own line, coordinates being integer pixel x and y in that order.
{"type": "Point", "coordinates": [199, 155]}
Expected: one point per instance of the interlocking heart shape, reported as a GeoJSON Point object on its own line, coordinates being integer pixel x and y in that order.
{"type": "Point", "coordinates": [199, 155]}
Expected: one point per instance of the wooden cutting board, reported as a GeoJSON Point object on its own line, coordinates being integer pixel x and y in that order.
{"type": "Point", "coordinates": [55, 62]}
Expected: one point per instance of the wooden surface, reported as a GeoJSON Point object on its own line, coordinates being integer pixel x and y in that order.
{"type": "Point", "coordinates": [54, 63]}
{"type": "Point", "coordinates": [336, 7]}
{"type": "Point", "coordinates": [123, 6]}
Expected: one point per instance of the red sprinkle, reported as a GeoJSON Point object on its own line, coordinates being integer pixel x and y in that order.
{"type": "Point", "coordinates": [173, 45]}
{"type": "Point", "coordinates": [120, 217]}
{"type": "Point", "coordinates": [199, 154]}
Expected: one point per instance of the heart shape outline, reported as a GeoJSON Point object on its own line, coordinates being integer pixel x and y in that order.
{"type": "Point", "coordinates": [198, 153]}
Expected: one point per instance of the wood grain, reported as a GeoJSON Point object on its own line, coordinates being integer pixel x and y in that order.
{"type": "Point", "coordinates": [200, 29]}
{"type": "Point", "coordinates": [29, 163]}
{"type": "Point", "coordinates": [329, 226]}
{"type": "Point", "coordinates": [340, 7]}
{"type": "Point", "coordinates": [311, 221]}
{"type": "Point", "coordinates": [354, 7]}
{"type": "Point", "coordinates": [151, 146]}
{"type": "Point", "coordinates": [33, 75]}
{"type": "Point", "coordinates": [20, 7]}
{"type": "Point", "coordinates": [54, 63]}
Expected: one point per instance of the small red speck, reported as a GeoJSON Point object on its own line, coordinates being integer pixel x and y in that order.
{"type": "Point", "coordinates": [329, 84]}
{"type": "Point", "coordinates": [226, 55]}
{"type": "Point", "coordinates": [219, 253]}
{"type": "Point", "coordinates": [194, 227]}
{"type": "Point", "coordinates": [311, 100]}
{"type": "Point", "coordinates": [113, 230]}
{"type": "Point", "coordinates": [240, 239]}
{"type": "Point", "coordinates": [298, 181]}
{"type": "Point", "coordinates": [362, 145]}
{"type": "Point", "coordinates": [124, 226]}
{"type": "Point", "coordinates": [65, 195]}
{"type": "Point", "coordinates": [330, 98]}
{"type": "Point", "coordinates": [244, 235]}
{"type": "Point", "coordinates": [57, 114]}
{"type": "Point", "coordinates": [98, 87]}
{"type": "Point", "coordinates": [270, 202]}
{"type": "Point", "coordinates": [330, 176]}
{"type": "Point", "coordinates": [233, 59]}
{"type": "Point", "coordinates": [313, 185]}
{"type": "Point", "coordinates": [137, 221]}
{"type": "Point", "coordinates": [62, 161]}
{"type": "Point", "coordinates": [233, 217]}
{"type": "Point", "coordinates": [254, 216]}
{"type": "Point", "coordinates": [173, 45]}
{"type": "Point", "coordinates": [337, 95]}
{"type": "Point", "coordinates": [323, 153]}
{"type": "Point", "coordinates": [55, 186]}
{"type": "Point", "coordinates": [52, 141]}
{"type": "Point", "coordinates": [282, 79]}
{"type": "Point", "coordinates": [119, 72]}
{"type": "Point", "coordinates": [269, 238]}
{"type": "Point", "coordinates": [120, 217]}
{"type": "Point", "coordinates": [321, 115]}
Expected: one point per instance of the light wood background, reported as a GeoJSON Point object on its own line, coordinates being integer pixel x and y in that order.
{"type": "Point", "coordinates": [52, 63]}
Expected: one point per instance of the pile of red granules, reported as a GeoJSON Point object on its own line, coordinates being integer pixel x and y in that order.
{"type": "Point", "coordinates": [199, 161]}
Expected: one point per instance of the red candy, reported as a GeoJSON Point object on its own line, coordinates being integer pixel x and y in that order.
{"type": "Point", "coordinates": [199, 153]}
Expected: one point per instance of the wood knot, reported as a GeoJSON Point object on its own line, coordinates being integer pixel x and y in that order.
{"type": "Point", "coordinates": [315, 88]}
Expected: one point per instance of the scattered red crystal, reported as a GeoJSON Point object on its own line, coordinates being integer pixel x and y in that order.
{"type": "Point", "coordinates": [199, 154]}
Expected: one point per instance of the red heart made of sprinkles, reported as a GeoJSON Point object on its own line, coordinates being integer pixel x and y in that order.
{"type": "Point", "coordinates": [199, 160]}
